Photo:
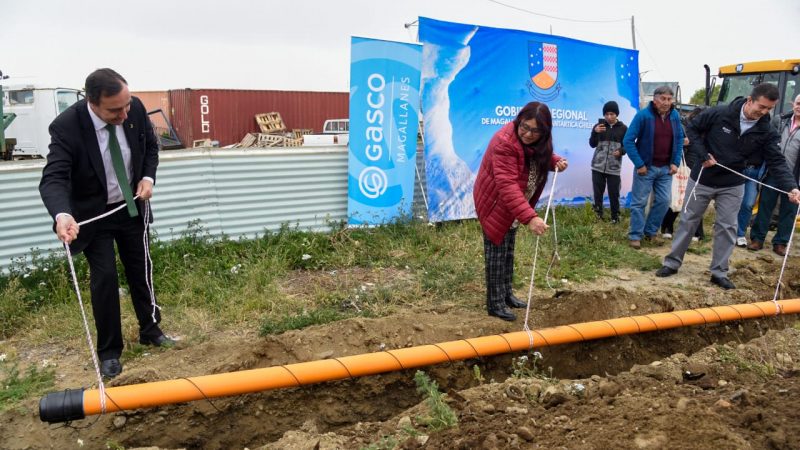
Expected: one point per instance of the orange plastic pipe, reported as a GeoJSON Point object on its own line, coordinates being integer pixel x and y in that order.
{"type": "Point", "coordinates": [158, 393]}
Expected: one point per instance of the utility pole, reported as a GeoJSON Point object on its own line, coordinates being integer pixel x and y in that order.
{"type": "Point", "coordinates": [633, 33]}
{"type": "Point", "coordinates": [5, 120]}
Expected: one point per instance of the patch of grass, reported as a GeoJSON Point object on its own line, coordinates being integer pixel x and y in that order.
{"type": "Point", "coordinates": [727, 355]}
{"type": "Point", "coordinates": [386, 443]}
{"type": "Point", "coordinates": [587, 248]}
{"type": "Point", "coordinates": [248, 283]}
{"type": "Point", "coordinates": [16, 387]}
{"type": "Point", "coordinates": [700, 248]}
{"type": "Point", "coordinates": [441, 415]}
{"type": "Point", "coordinates": [114, 445]}
{"type": "Point", "coordinates": [299, 321]}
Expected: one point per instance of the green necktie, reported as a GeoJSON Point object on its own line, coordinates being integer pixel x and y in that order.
{"type": "Point", "coordinates": [119, 169]}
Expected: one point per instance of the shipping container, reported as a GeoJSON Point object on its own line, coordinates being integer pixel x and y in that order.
{"type": "Point", "coordinates": [227, 115]}
{"type": "Point", "coordinates": [155, 100]}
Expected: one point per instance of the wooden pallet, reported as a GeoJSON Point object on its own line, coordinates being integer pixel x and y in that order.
{"type": "Point", "coordinates": [298, 133]}
{"type": "Point", "coordinates": [270, 122]}
{"type": "Point", "coordinates": [248, 140]}
{"type": "Point", "coordinates": [277, 140]}
{"type": "Point", "coordinates": [270, 140]}
{"type": "Point", "coordinates": [293, 142]}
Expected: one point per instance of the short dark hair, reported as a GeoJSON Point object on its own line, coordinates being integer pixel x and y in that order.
{"type": "Point", "coordinates": [663, 90]}
{"type": "Point", "coordinates": [103, 83]}
{"type": "Point", "coordinates": [768, 90]}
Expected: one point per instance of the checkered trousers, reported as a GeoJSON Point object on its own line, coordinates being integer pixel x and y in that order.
{"type": "Point", "coordinates": [499, 263]}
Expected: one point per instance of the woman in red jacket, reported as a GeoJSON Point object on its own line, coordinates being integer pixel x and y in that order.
{"type": "Point", "coordinates": [510, 180]}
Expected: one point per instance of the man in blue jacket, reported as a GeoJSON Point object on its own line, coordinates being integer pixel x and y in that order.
{"type": "Point", "coordinates": [654, 143]}
{"type": "Point", "coordinates": [730, 136]}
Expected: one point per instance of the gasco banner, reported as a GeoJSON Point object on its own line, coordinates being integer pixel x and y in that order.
{"type": "Point", "coordinates": [384, 117]}
{"type": "Point", "coordinates": [476, 79]}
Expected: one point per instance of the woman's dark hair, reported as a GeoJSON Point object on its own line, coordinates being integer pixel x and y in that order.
{"type": "Point", "coordinates": [103, 83]}
{"type": "Point", "coordinates": [540, 153]}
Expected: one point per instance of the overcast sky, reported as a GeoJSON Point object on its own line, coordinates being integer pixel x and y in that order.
{"type": "Point", "coordinates": [305, 44]}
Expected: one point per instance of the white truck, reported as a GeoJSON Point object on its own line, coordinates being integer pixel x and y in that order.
{"type": "Point", "coordinates": [334, 132]}
{"type": "Point", "coordinates": [35, 108]}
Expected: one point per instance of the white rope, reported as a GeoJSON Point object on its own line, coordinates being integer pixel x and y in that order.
{"type": "Point", "coordinates": [556, 256]}
{"type": "Point", "coordinates": [100, 384]}
{"type": "Point", "coordinates": [693, 195]}
{"type": "Point", "coordinates": [105, 214]}
{"type": "Point", "coordinates": [148, 278]}
{"type": "Point", "coordinates": [751, 179]}
{"type": "Point", "coordinates": [525, 327]}
{"type": "Point", "coordinates": [149, 261]}
{"type": "Point", "coordinates": [783, 266]}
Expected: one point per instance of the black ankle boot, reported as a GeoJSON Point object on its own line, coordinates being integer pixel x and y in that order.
{"type": "Point", "coordinates": [513, 302]}
{"type": "Point", "coordinates": [503, 313]}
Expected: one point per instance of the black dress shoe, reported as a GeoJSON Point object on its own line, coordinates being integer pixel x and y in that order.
{"type": "Point", "coordinates": [110, 367]}
{"type": "Point", "coordinates": [723, 282]}
{"type": "Point", "coordinates": [158, 341]}
{"type": "Point", "coordinates": [503, 313]}
{"type": "Point", "coordinates": [513, 302]}
{"type": "Point", "coordinates": [665, 271]}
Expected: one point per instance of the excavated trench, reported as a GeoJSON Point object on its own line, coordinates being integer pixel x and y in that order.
{"type": "Point", "coordinates": [257, 419]}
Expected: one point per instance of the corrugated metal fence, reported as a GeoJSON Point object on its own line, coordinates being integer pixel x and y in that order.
{"type": "Point", "coordinates": [233, 192]}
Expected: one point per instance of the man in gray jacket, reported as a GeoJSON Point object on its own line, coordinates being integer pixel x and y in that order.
{"type": "Point", "coordinates": [788, 126]}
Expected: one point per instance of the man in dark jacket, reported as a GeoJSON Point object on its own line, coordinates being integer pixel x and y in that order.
{"type": "Point", "coordinates": [103, 154]}
{"type": "Point", "coordinates": [606, 139]}
{"type": "Point", "coordinates": [729, 136]}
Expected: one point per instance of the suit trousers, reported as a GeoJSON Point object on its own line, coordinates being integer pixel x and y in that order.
{"type": "Point", "coordinates": [499, 264]}
{"type": "Point", "coordinates": [128, 233]}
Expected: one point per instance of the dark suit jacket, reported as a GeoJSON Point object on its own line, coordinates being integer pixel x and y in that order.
{"type": "Point", "coordinates": [74, 180]}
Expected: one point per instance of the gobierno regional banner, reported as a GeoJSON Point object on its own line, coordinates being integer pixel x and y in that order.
{"type": "Point", "coordinates": [475, 79]}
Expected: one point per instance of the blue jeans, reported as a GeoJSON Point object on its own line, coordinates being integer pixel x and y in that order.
{"type": "Point", "coordinates": [659, 181]}
{"type": "Point", "coordinates": [786, 215]}
{"type": "Point", "coordinates": [749, 199]}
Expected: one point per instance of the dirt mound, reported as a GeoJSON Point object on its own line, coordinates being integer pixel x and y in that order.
{"type": "Point", "coordinates": [732, 385]}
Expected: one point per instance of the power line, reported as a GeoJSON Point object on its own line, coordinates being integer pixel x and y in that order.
{"type": "Point", "coordinates": [558, 18]}
{"type": "Point", "coordinates": [649, 53]}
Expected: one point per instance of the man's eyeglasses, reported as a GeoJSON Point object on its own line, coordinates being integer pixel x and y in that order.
{"type": "Point", "coordinates": [526, 129]}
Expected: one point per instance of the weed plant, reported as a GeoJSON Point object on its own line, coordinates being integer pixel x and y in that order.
{"type": "Point", "coordinates": [441, 415]}
{"type": "Point", "coordinates": [527, 366]}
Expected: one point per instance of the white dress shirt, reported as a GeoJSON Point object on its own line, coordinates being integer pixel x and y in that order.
{"type": "Point", "coordinates": [112, 184]}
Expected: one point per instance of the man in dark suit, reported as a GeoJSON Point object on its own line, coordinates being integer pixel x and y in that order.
{"type": "Point", "coordinates": [103, 152]}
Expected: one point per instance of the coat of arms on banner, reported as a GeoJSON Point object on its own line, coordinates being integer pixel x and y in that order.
{"type": "Point", "coordinates": [543, 69]}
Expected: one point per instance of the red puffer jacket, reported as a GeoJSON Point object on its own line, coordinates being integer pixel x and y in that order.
{"type": "Point", "coordinates": [499, 191]}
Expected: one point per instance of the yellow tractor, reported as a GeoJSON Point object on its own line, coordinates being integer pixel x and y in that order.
{"type": "Point", "coordinates": [738, 80]}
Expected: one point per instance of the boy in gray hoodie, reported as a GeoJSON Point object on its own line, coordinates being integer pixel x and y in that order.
{"type": "Point", "coordinates": [606, 139]}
